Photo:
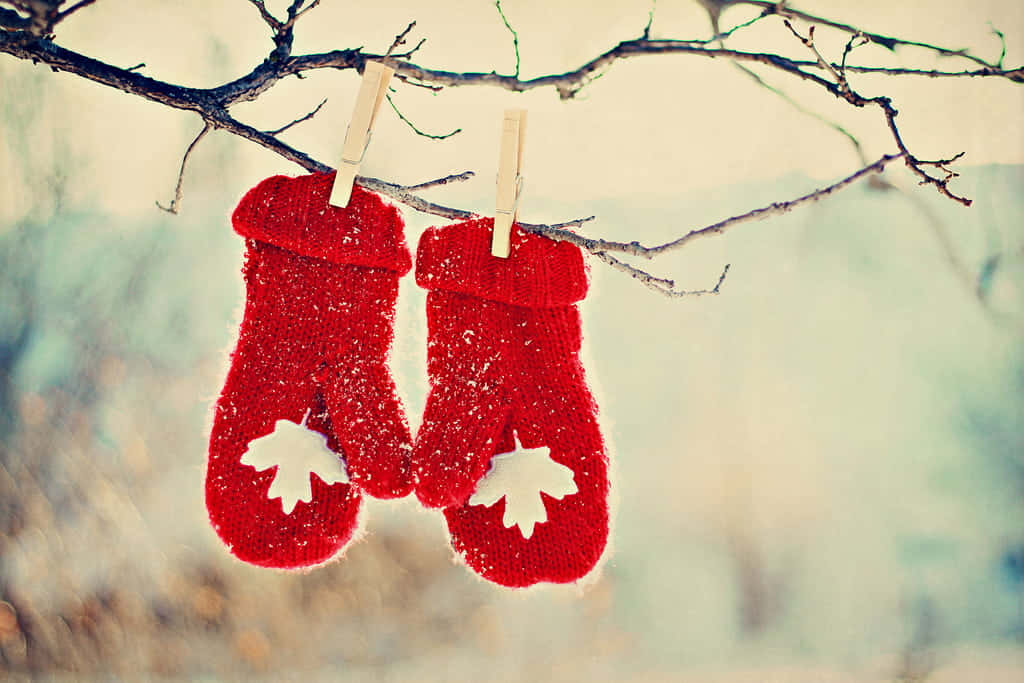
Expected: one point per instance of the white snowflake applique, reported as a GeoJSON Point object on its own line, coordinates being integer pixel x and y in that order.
{"type": "Point", "coordinates": [298, 453]}
{"type": "Point", "coordinates": [519, 477]}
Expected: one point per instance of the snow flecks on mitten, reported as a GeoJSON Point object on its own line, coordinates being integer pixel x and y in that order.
{"type": "Point", "coordinates": [520, 477]}
{"type": "Point", "coordinates": [375, 439]}
{"type": "Point", "coordinates": [502, 355]}
{"type": "Point", "coordinates": [297, 453]}
{"type": "Point", "coordinates": [321, 285]}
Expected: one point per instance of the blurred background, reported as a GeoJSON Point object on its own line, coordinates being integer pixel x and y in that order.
{"type": "Point", "coordinates": [819, 473]}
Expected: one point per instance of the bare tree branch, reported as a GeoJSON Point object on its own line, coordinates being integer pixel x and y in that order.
{"type": "Point", "coordinates": [26, 33]}
{"type": "Point", "coordinates": [842, 89]}
{"type": "Point", "coordinates": [176, 202]}
{"type": "Point", "coordinates": [263, 77]}
{"type": "Point", "coordinates": [886, 41]}
{"type": "Point", "coordinates": [635, 248]}
{"type": "Point", "coordinates": [211, 102]}
{"type": "Point", "coordinates": [571, 80]}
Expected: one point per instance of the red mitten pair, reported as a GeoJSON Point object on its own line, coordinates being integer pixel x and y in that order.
{"type": "Point", "coordinates": [308, 416]}
{"type": "Point", "coordinates": [510, 445]}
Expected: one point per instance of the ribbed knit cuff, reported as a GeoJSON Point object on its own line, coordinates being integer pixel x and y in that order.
{"type": "Point", "coordinates": [539, 272]}
{"type": "Point", "coordinates": [294, 214]}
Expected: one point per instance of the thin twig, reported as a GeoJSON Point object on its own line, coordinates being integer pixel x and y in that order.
{"type": "Point", "coordinates": [839, 78]}
{"type": "Point", "coordinates": [851, 45]}
{"type": "Point", "coordinates": [658, 284]}
{"type": "Point", "coordinates": [413, 126]}
{"type": "Point", "coordinates": [404, 194]}
{"type": "Point", "coordinates": [268, 18]}
{"type": "Point", "coordinates": [410, 52]}
{"type": "Point", "coordinates": [1002, 42]}
{"type": "Point", "coordinates": [176, 202]}
{"type": "Point", "coordinates": [515, 36]}
{"type": "Point", "coordinates": [400, 38]}
{"type": "Point", "coordinates": [650, 20]}
{"type": "Point", "coordinates": [138, 66]}
{"type": "Point", "coordinates": [540, 227]}
{"type": "Point", "coordinates": [294, 13]}
{"type": "Point", "coordinates": [662, 286]}
{"type": "Point", "coordinates": [916, 165]}
{"type": "Point", "coordinates": [720, 37]}
{"type": "Point", "coordinates": [454, 178]}
{"type": "Point", "coordinates": [405, 79]}
{"type": "Point", "coordinates": [71, 10]}
{"type": "Point", "coordinates": [298, 120]}
{"type": "Point", "coordinates": [1016, 75]}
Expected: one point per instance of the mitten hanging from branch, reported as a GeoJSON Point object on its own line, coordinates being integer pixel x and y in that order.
{"type": "Point", "coordinates": [309, 371]}
{"type": "Point", "coordinates": [510, 445]}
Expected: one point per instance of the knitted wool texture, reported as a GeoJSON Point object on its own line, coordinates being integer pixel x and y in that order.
{"type": "Point", "coordinates": [321, 284]}
{"type": "Point", "coordinates": [504, 337]}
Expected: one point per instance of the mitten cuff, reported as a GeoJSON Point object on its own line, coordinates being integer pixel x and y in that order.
{"type": "Point", "coordinates": [294, 214]}
{"type": "Point", "coordinates": [539, 272]}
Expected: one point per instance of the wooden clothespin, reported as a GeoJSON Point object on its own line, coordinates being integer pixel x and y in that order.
{"type": "Point", "coordinates": [510, 179]}
{"type": "Point", "coordinates": [376, 77]}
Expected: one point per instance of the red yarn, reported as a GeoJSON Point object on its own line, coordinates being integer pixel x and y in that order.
{"type": "Point", "coordinates": [504, 336]}
{"type": "Point", "coordinates": [321, 284]}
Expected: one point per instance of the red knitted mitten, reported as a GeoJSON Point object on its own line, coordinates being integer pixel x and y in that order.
{"type": "Point", "coordinates": [510, 445]}
{"type": "Point", "coordinates": [308, 380]}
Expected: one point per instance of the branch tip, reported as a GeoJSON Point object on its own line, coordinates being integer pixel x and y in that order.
{"type": "Point", "coordinates": [400, 40]}
{"type": "Point", "coordinates": [173, 207]}
{"type": "Point", "coordinates": [299, 120]}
